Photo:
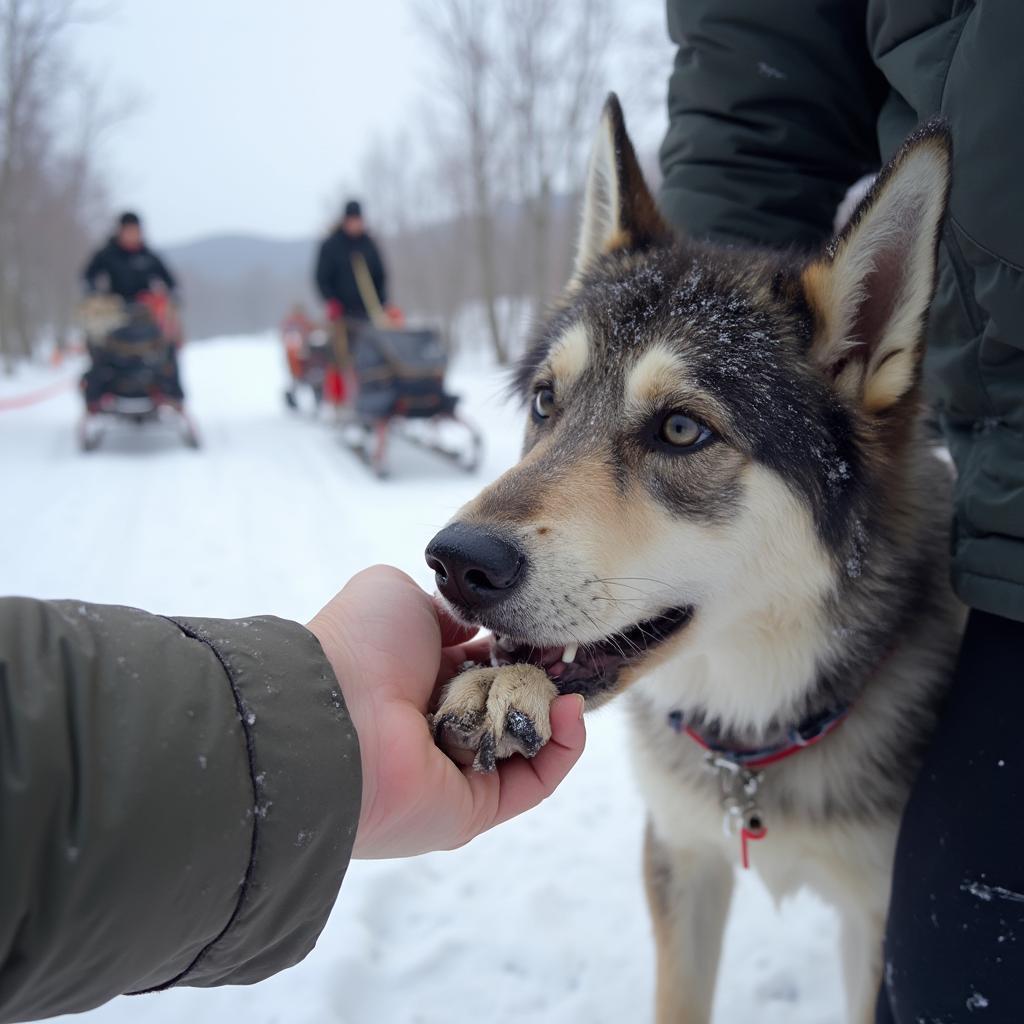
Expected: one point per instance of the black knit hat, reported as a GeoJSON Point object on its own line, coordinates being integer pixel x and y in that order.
{"type": "Point", "coordinates": [353, 208]}
{"type": "Point", "coordinates": [129, 219]}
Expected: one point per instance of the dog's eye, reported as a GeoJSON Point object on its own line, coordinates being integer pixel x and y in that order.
{"type": "Point", "coordinates": [682, 432]}
{"type": "Point", "coordinates": [543, 403]}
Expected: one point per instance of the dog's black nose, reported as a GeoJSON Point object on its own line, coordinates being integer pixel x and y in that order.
{"type": "Point", "coordinates": [475, 566]}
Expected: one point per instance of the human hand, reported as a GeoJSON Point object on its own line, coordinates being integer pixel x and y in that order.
{"type": "Point", "coordinates": [335, 310]}
{"type": "Point", "coordinates": [391, 646]}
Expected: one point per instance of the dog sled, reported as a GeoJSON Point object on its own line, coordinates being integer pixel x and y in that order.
{"type": "Point", "coordinates": [311, 368]}
{"type": "Point", "coordinates": [133, 377]}
{"type": "Point", "coordinates": [398, 379]}
{"type": "Point", "coordinates": [400, 392]}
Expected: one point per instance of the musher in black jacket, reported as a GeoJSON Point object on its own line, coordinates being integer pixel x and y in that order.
{"type": "Point", "coordinates": [335, 277]}
{"type": "Point", "coordinates": [126, 266]}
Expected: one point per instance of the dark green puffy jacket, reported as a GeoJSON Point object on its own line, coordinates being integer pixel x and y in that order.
{"type": "Point", "coordinates": [777, 106]}
{"type": "Point", "coordinates": [178, 802]}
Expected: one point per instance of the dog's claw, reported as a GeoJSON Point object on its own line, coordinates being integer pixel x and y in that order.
{"type": "Point", "coordinates": [458, 730]}
{"type": "Point", "coordinates": [496, 712]}
{"type": "Point", "coordinates": [521, 727]}
{"type": "Point", "coordinates": [485, 761]}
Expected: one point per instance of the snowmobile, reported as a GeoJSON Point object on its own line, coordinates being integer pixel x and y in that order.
{"type": "Point", "coordinates": [133, 378]}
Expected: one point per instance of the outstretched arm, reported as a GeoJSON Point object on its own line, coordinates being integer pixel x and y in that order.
{"type": "Point", "coordinates": [178, 798]}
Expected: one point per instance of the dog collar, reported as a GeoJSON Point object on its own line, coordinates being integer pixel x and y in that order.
{"type": "Point", "coordinates": [806, 734]}
{"type": "Point", "coordinates": [739, 769]}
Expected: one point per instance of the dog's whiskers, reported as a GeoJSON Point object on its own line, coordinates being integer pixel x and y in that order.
{"type": "Point", "coordinates": [611, 638]}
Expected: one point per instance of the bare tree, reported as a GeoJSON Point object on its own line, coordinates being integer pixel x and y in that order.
{"type": "Point", "coordinates": [477, 202]}
{"type": "Point", "coordinates": [49, 196]}
{"type": "Point", "coordinates": [553, 76]}
{"type": "Point", "coordinates": [462, 33]}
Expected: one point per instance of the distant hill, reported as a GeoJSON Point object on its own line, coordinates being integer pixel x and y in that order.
{"type": "Point", "coordinates": [241, 284]}
{"type": "Point", "coordinates": [231, 256]}
{"type": "Point", "coordinates": [234, 284]}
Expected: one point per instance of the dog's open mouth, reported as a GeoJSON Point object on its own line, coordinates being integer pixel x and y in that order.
{"type": "Point", "coordinates": [590, 668]}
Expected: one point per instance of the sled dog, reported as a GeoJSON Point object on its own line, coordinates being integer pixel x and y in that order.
{"type": "Point", "coordinates": [728, 511]}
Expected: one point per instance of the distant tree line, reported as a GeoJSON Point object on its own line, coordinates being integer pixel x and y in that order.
{"type": "Point", "coordinates": [474, 199]}
{"type": "Point", "coordinates": [484, 208]}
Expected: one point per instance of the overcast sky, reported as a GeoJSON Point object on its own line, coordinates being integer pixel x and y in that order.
{"type": "Point", "coordinates": [251, 114]}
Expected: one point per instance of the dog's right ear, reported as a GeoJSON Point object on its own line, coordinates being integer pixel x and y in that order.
{"type": "Point", "coordinates": [619, 212]}
{"type": "Point", "coordinates": [871, 290]}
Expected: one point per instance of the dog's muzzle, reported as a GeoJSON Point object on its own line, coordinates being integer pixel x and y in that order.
{"type": "Point", "coordinates": [475, 567]}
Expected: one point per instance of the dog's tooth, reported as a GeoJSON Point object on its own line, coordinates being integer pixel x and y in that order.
{"type": "Point", "coordinates": [569, 654]}
{"type": "Point", "coordinates": [505, 644]}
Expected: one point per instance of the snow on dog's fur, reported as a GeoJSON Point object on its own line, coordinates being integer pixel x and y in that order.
{"type": "Point", "coordinates": [726, 504]}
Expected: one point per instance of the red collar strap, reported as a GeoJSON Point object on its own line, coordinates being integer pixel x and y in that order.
{"type": "Point", "coordinates": [738, 769]}
{"type": "Point", "coordinates": [806, 734]}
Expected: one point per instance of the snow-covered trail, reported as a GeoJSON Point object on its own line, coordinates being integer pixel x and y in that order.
{"type": "Point", "coordinates": [272, 514]}
{"type": "Point", "coordinates": [542, 920]}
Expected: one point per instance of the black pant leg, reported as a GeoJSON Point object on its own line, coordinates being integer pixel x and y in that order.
{"type": "Point", "coordinates": [955, 934]}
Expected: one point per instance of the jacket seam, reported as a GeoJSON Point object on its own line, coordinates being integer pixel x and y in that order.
{"type": "Point", "coordinates": [977, 316]}
{"type": "Point", "coordinates": [966, 16]}
{"type": "Point", "coordinates": [250, 749]}
{"type": "Point", "coordinates": [962, 271]}
{"type": "Point", "coordinates": [956, 256]}
{"type": "Point", "coordinates": [985, 249]}
{"type": "Point", "coordinates": [985, 577]}
{"type": "Point", "coordinates": [963, 576]}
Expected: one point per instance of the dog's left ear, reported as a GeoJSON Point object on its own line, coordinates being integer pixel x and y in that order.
{"type": "Point", "coordinates": [619, 211]}
{"type": "Point", "coordinates": [871, 291]}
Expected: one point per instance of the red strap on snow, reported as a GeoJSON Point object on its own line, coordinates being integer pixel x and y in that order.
{"type": "Point", "coordinates": [35, 397]}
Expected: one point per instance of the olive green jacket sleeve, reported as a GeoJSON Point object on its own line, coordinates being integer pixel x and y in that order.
{"type": "Point", "coordinates": [772, 110]}
{"type": "Point", "coordinates": [178, 802]}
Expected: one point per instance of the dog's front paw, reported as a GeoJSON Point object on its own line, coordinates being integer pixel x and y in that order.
{"type": "Point", "coordinates": [495, 713]}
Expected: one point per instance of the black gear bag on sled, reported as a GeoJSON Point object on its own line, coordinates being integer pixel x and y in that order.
{"type": "Point", "coordinates": [133, 360]}
{"type": "Point", "coordinates": [399, 387]}
{"type": "Point", "coordinates": [400, 390]}
{"type": "Point", "coordinates": [400, 373]}
{"type": "Point", "coordinates": [133, 376]}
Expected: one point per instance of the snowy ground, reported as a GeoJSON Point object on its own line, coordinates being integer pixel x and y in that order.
{"type": "Point", "coordinates": [542, 920]}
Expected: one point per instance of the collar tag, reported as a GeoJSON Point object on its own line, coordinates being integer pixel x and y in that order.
{"type": "Point", "coordinates": [738, 789]}
{"type": "Point", "coordinates": [740, 771]}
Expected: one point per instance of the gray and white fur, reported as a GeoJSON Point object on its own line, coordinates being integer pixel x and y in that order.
{"type": "Point", "coordinates": [728, 505]}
